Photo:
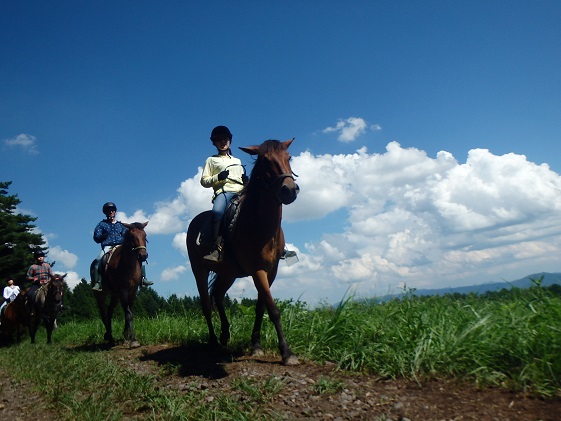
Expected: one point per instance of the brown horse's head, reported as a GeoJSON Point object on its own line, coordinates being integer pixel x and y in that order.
{"type": "Point", "coordinates": [56, 289]}
{"type": "Point", "coordinates": [272, 169]}
{"type": "Point", "coordinates": [135, 240]}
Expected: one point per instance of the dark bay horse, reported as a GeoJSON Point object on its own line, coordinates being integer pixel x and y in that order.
{"type": "Point", "coordinates": [253, 248]}
{"type": "Point", "coordinates": [44, 305]}
{"type": "Point", "coordinates": [121, 277]}
{"type": "Point", "coordinates": [14, 319]}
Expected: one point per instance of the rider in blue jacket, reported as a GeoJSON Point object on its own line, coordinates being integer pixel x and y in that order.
{"type": "Point", "coordinates": [110, 233]}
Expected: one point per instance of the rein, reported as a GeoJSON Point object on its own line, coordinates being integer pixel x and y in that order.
{"type": "Point", "coordinates": [274, 186]}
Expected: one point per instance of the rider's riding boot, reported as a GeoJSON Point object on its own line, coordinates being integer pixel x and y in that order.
{"type": "Point", "coordinates": [145, 281]}
{"type": "Point", "coordinates": [216, 255]}
{"type": "Point", "coordinates": [288, 254]}
{"type": "Point", "coordinates": [96, 281]}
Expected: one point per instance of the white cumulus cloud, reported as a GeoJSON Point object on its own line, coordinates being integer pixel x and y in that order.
{"type": "Point", "coordinates": [348, 129]}
{"type": "Point", "coordinates": [26, 142]}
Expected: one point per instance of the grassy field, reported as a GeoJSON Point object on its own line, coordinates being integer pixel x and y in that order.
{"type": "Point", "coordinates": [510, 340]}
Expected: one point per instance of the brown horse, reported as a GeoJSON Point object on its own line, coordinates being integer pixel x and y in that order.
{"type": "Point", "coordinates": [14, 319]}
{"type": "Point", "coordinates": [45, 304]}
{"type": "Point", "coordinates": [252, 248]}
{"type": "Point", "coordinates": [121, 277]}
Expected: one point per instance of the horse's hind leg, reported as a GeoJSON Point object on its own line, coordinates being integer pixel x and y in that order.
{"type": "Point", "coordinates": [206, 305]}
{"type": "Point", "coordinates": [218, 292]}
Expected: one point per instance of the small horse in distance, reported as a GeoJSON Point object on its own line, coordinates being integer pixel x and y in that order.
{"type": "Point", "coordinates": [44, 305]}
{"type": "Point", "coordinates": [14, 319]}
{"type": "Point", "coordinates": [253, 247]}
{"type": "Point", "coordinates": [121, 274]}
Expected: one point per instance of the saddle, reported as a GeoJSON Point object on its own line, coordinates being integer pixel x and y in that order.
{"type": "Point", "coordinates": [231, 215]}
{"type": "Point", "coordinates": [104, 261]}
{"type": "Point", "coordinates": [227, 224]}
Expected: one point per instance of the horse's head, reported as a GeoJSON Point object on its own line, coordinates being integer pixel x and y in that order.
{"type": "Point", "coordinates": [273, 169]}
{"type": "Point", "coordinates": [135, 240]}
{"type": "Point", "coordinates": [56, 289]}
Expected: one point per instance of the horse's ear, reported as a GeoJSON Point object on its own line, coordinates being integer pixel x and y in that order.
{"type": "Point", "coordinates": [252, 150]}
{"type": "Point", "coordinates": [144, 224]}
{"type": "Point", "coordinates": [287, 143]}
{"type": "Point", "coordinates": [128, 226]}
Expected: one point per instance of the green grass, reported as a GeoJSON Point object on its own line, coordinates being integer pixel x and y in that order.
{"type": "Point", "coordinates": [510, 340]}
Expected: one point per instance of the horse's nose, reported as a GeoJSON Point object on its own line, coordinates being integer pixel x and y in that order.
{"type": "Point", "coordinates": [287, 194]}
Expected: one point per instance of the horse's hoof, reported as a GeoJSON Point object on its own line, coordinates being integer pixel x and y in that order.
{"type": "Point", "coordinates": [257, 352]}
{"type": "Point", "coordinates": [134, 344]}
{"type": "Point", "coordinates": [291, 360]}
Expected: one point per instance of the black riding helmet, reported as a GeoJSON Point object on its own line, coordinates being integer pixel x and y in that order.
{"type": "Point", "coordinates": [220, 132]}
{"type": "Point", "coordinates": [108, 207]}
{"type": "Point", "coordinates": [38, 253]}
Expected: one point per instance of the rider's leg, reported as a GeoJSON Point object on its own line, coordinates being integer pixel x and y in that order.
{"type": "Point", "coordinates": [145, 281]}
{"type": "Point", "coordinates": [96, 281]}
{"type": "Point", "coordinates": [29, 296]}
{"type": "Point", "coordinates": [218, 209]}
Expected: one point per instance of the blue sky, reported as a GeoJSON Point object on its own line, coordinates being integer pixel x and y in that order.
{"type": "Point", "coordinates": [427, 133]}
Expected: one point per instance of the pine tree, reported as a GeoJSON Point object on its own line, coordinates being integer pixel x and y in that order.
{"type": "Point", "coordinates": [17, 239]}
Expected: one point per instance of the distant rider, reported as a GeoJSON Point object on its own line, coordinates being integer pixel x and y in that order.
{"type": "Point", "coordinates": [39, 273]}
{"type": "Point", "coordinates": [110, 233]}
{"type": "Point", "coordinates": [9, 294]}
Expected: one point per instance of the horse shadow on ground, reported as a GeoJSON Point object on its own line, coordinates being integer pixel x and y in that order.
{"type": "Point", "coordinates": [195, 359]}
{"type": "Point", "coordinates": [188, 359]}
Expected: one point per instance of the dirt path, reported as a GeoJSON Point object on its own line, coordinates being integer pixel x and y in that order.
{"type": "Point", "coordinates": [307, 391]}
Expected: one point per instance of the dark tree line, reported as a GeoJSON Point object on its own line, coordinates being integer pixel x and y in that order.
{"type": "Point", "coordinates": [17, 239]}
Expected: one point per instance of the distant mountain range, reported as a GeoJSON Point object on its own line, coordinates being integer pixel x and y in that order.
{"type": "Point", "coordinates": [548, 279]}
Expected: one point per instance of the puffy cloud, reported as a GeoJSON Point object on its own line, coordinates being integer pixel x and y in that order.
{"type": "Point", "coordinates": [24, 141]}
{"type": "Point", "coordinates": [426, 223]}
{"type": "Point", "coordinates": [172, 274]}
{"type": "Point", "coordinates": [348, 129]}
{"type": "Point", "coordinates": [63, 257]}
{"type": "Point", "coordinates": [72, 278]}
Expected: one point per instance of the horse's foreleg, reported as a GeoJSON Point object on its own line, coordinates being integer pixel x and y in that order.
{"type": "Point", "coordinates": [107, 318]}
{"type": "Point", "coordinates": [262, 284]}
{"type": "Point", "coordinates": [256, 349]}
{"type": "Point", "coordinates": [33, 326]}
{"type": "Point", "coordinates": [49, 326]}
{"type": "Point", "coordinates": [128, 331]}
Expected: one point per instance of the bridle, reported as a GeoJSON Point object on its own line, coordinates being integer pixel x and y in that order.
{"type": "Point", "coordinates": [135, 249]}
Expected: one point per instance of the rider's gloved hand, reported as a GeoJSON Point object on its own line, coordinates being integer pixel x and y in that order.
{"type": "Point", "coordinates": [245, 179]}
{"type": "Point", "coordinates": [223, 175]}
